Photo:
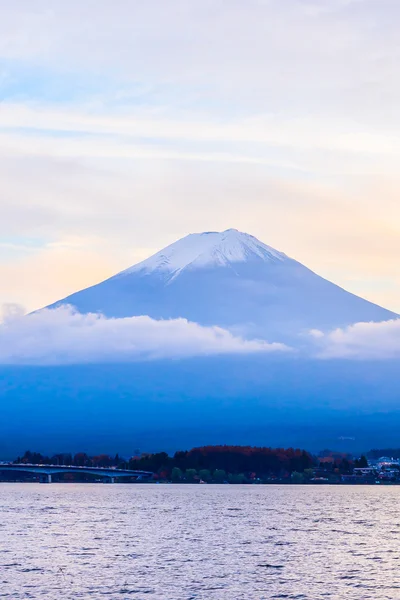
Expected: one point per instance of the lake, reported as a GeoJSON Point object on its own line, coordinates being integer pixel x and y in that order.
{"type": "Point", "coordinates": [186, 542]}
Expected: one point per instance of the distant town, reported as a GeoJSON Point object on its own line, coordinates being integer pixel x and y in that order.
{"type": "Point", "coordinates": [210, 464]}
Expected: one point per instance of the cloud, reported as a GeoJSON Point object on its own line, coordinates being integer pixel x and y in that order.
{"type": "Point", "coordinates": [263, 51]}
{"type": "Point", "coordinates": [378, 341]}
{"type": "Point", "coordinates": [64, 336]}
{"type": "Point", "coordinates": [306, 133]}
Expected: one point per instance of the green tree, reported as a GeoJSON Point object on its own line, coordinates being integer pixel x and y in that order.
{"type": "Point", "coordinates": [176, 474]}
{"type": "Point", "coordinates": [190, 475]}
{"type": "Point", "coordinates": [219, 476]}
{"type": "Point", "coordinates": [297, 477]}
{"type": "Point", "coordinates": [308, 473]}
{"type": "Point", "coordinates": [236, 478]}
{"type": "Point", "coordinates": [204, 474]}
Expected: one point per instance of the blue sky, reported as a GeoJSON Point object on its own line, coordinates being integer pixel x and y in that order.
{"type": "Point", "coordinates": [126, 125]}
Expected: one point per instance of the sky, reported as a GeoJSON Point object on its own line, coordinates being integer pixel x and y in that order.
{"type": "Point", "coordinates": [126, 125]}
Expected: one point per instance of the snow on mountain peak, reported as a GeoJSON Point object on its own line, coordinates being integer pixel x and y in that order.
{"type": "Point", "coordinates": [211, 248]}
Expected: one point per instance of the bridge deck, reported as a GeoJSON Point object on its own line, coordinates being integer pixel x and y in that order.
{"type": "Point", "coordinates": [54, 469]}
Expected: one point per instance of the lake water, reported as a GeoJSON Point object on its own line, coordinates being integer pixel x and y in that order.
{"type": "Point", "coordinates": [173, 542]}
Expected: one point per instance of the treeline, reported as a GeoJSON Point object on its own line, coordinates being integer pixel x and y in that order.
{"type": "Point", "coordinates": [208, 463]}
{"type": "Point", "coordinates": [81, 459]}
{"type": "Point", "coordinates": [226, 463]}
{"type": "Point", "coordinates": [219, 464]}
{"type": "Point", "coordinates": [231, 459]}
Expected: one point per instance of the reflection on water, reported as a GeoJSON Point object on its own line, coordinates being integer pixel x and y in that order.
{"type": "Point", "coordinates": [174, 542]}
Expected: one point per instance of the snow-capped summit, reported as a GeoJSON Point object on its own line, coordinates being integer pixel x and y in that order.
{"type": "Point", "coordinates": [229, 279]}
{"type": "Point", "coordinates": [207, 249]}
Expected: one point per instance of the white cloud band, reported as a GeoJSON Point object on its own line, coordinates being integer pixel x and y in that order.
{"type": "Point", "coordinates": [361, 341]}
{"type": "Point", "coordinates": [64, 336]}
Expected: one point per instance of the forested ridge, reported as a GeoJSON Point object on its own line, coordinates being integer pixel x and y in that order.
{"type": "Point", "coordinates": [214, 464]}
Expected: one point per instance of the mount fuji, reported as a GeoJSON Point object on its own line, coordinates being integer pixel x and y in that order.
{"type": "Point", "coordinates": [232, 280]}
{"type": "Point", "coordinates": [229, 279]}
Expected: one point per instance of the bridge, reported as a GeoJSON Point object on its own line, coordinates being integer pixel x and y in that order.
{"type": "Point", "coordinates": [47, 471]}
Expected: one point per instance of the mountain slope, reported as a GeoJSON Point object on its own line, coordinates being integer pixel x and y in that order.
{"type": "Point", "coordinates": [229, 279]}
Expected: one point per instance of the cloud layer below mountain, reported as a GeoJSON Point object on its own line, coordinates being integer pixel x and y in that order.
{"type": "Point", "coordinates": [64, 336]}
{"type": "Point", "coordinates": [360, 341]}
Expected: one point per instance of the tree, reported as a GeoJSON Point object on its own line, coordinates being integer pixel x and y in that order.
{"type": "Point", "coordinates": [238, 478]}
{"type": "Point", "coordinates": [61, 459]}
{"type": "Point", "coordinates": [81, 459]}
{"type": "Point", "coordinates": [345, 467]}
{"type": "Point", "coordinates": [361, 463]}
{"type": "Point", "coordinates": [102, 460]}
{"type": "Point", "coordinates": [308, 473]}
{"type": "Point", "coordinates": [176, 474]}
{"type": "Point", "coordinates": [34, 458]}
{"type": "Point", "coordinates": [204, 474]}
{"type": "Point", "coordinates": [219, 476]}
{"type": "Point", "coordinates": [190, 475]}
{"type": "Point", "coordinates": [297, 477]}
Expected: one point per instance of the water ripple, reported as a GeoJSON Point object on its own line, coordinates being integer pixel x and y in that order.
{"type": "Point", "coordinates": [193, 542]}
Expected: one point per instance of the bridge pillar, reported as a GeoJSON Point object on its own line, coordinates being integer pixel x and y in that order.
{"type": "Point", "coordinates": [112, 479]}
{"type": "Point", "coordinates": [49, 478]}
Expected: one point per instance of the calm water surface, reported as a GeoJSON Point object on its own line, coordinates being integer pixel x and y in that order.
{"type": "Point", "coordinates": [173, 542]}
